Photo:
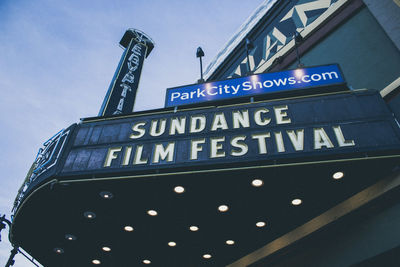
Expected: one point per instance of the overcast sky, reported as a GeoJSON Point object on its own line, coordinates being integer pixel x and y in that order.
{"type": "Point", "coordinates": [57, 59]}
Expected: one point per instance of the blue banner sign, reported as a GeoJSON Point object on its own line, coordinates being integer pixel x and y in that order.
{"type": "Point", "coordinates": [256, 84]}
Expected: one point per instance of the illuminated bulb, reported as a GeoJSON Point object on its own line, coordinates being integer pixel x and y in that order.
{"type": "Point", "coordinates": [70, 237]}
{"type": "Point", "coordinates": [223, 208]}
{"type": "Point", "coordinates": [299, 73]}
{"type": "Point", "coordinates": [193, 228]}
{"type": "Point", "coordinates": [172, 244]}
{"type": "Point", "coordinates": [107, 249]}
{"type": "Point", "coordinates": [257, 182]}
{"type": "Point", "coordinates": [207, 256]}
{"type": "Point", "coordinates": [106, 194]}
{"type": "Point", "coordinates": [296, 201]}
{"type": "Point", "coordinates": [254, 78]}
{"type": "Point", "coordinates": [128, 228]}
{"type": "Point", "coordinates": [152, 212]}
{"type": "Point", "coordinates": [260, 224]}
{"type": "Point", "coordinates": [179, 189]}
{"type": "Point", "coordinates": [146, 261]}
{"type": "Point", "coordinates": [96, 261]}
{"type": "Point", "coordinates": [89, 215]}
{"type": "Point", "coordinates": [338, 175]}
{"type": "Point", "coordinates": [230, 242]}
{"type": "Point", "coordinates": [59, 250]}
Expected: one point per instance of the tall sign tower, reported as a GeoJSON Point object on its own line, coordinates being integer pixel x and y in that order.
{"type": "Point", "coordinates": [121, 94]}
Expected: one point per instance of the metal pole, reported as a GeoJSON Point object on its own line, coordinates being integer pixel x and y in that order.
{"type": "Point", "coordinates": [200, 54]}
{"type": "Point", "coordinates": [248, 62]}
{"type": "Point", "coordinates": [201, 69]}
{"type": "Point", "coordinates": [248, 45]}
{"type": "Point", "coordinates": [297, 40]}
{"type": "Point", "coordinates": [29, 259]}
{"type": "Point", "coordinates": [11, 260]}
{"type": "Point", "coordinates": [2, 225]}
{"type": "Point", "coordinates": [297, 55]}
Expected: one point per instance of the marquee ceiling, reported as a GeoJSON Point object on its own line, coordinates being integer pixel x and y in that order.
{"type": "Point", "coordinates": [94, 214]}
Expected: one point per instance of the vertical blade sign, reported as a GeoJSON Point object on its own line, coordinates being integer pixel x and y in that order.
{"type": "Point", "coordinates": [121, 95]}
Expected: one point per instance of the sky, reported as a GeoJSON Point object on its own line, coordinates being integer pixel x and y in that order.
{"type": "Point", "coordinates": [57, 59]}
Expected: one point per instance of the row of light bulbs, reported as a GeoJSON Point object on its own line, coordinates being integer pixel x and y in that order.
{"type": "Point", "coordinates": [179, 190]}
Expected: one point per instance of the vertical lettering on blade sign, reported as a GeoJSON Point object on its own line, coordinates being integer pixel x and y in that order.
{"type": "Point", "coordinates": [126, 81]}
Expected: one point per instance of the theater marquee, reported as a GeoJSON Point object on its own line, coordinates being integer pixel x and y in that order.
{"type": "Point", "coordinates": [336, 124]}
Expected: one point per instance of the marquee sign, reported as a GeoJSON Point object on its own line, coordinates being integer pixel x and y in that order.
{"type": "Point", "coordinates": [45, 162]}
{"type": "Point", "coordinates": [256, 84]}
{"type": "Point", "coordinates": [336, 124]}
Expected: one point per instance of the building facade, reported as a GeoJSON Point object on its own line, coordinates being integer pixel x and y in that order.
{"type": "Point", "coordinates": [304, 177]}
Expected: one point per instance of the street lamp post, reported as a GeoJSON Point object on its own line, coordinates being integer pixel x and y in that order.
{"type": "Point", "coordinates": [249, 46]}
{"type": "Point", "coordinates": [200, 54]}
{"type": "Point", "coordinates": [297, 40]}
{"type": "Point", "coordinates": [14, 251]}
{"type": "Point", "coordinates": [11, 260]}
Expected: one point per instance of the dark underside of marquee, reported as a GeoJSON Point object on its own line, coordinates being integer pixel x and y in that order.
{"type": "Point", "coordinates": [56, 210]}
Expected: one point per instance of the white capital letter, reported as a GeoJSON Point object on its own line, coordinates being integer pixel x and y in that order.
{"type": "Point", "coordinates": [193, 123]}
{"type": "Point", "coordinates": [262, 145]}
{"type": "Point", "coordinates": [281, 115]}
{"type": "Point", "coordinates": [161, 153]}
{"type": "Point", "coordinates": [137, 127]}
{"type": "Point", "coordinates": [195, 148]}
{"type": "Point", "coordinates": [111, 155]}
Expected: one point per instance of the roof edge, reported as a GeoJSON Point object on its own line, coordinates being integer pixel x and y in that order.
{"type": "Point", "coordinates": [237, 38]}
